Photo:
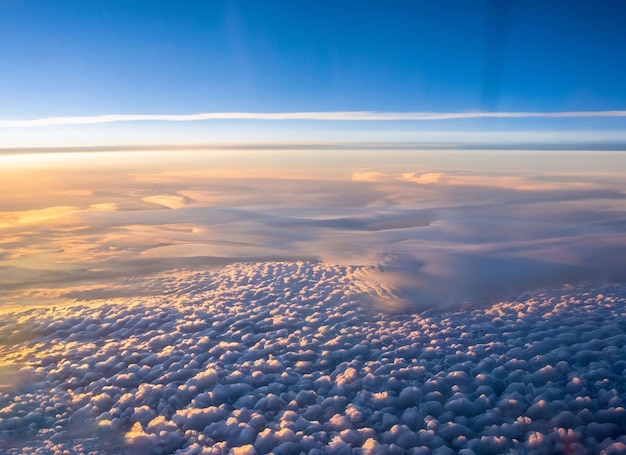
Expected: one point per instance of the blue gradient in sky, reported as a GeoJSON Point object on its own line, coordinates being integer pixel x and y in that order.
{"type": "Point", "coordinates": [82, 58]}
{"type": "Point", "coordinates": [91, 57]}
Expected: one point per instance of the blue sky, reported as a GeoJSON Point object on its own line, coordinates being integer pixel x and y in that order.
{"type": "Point", "coordinates": [78, 58]}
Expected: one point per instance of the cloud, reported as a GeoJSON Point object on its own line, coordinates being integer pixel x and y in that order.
{"type": "Point", "coordinates": [231, 250]}
{"type": "Point", "coordinates": [279, 357]}
{"type": "Point", "coordinates": [454, 227]}
{"type": "Point", "coordinates": [9, 219]}
{"type": "Point", "coordinates": [257, 319]}
{"type": "Point", "coordinates": [366, 176]}
{"type": "Point", "coordinates": [104, 207]}
{"type": "Point", "coordinates": [323, 116]}
{"type": "Point", "coordinates": [423, 179]}
{"type": "Point", "coordinates": [511, 182]}
{"type": "Point", "coordinates": [171, 201]}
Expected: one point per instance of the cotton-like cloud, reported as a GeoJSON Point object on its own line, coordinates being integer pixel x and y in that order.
{"type": "Point", "coordinates": [366, 176]}
{"type": "Point", "coordinates": [280, 357]}
{"type": "Point", "coordinates": [324, 116]}
{"type": "Point", "coordinates": [423, 179]}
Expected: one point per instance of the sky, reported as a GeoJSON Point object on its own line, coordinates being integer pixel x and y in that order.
{"type": "Point", "coordinates": [383, 123]}
{"type": "Point", "coordinates": [317, 226]}
{"type": "Point", "coordinates": [93, 58]}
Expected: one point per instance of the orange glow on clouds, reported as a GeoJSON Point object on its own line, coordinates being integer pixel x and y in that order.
{"type": "Point", "coordinates": [103, 216]}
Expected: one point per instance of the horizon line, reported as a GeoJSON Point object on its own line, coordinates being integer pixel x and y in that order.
{"type": "Point", "coordinates": [607, 146]}
{"type": "Point", "coordinates": [279, 116]}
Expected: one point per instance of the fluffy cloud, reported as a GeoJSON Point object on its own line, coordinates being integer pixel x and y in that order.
{"type": "Point", "coordinates": [366, 176]}
{"type": "Point", "coordinates": [423, 179]}
{"type": "Point", "coordinates": [281, 357]}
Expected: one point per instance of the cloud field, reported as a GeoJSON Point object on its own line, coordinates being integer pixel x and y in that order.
{"type": "Point", "coordinates": [256, 302]}
{"type": "Point", "coordinates": [283, 358]}
{"type": "Point", "coordinates": [488, 222]}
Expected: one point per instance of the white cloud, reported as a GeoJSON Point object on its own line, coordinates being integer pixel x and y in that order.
{"type": "Point", "coordinates": [423, 179]}
{"type": "Point", "coordinates": [325, 116]}
{"type": "Point", "coordinates": [218, 364]}
{"type": "Point", "coordinates": [366, 176]}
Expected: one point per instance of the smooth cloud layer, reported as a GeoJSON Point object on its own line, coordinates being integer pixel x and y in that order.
{"type": "Point", "coordinates": [436, 237]}
{"type": "Point", "coordinates": [324, 116]}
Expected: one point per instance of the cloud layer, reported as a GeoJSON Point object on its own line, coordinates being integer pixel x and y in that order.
{"type": "Point", "coordinates": [252, 303]}
{"type": "Point", "coordinates": [281, 358]}
{"type": "Point", "coordinates": [491, 232]}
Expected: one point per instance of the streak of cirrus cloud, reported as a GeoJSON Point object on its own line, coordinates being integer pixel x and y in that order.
{"type": "Point", "coordinates": [324, 116]}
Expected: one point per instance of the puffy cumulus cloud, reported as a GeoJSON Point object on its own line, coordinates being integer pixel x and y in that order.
{"type": "Point", "coordinates": [366, 176]}
{"type": "Point", "coordinates": [422, 179]}
{"type": "Point", "coordinates": [281, 358]}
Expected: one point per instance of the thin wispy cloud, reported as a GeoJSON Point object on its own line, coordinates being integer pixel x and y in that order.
{"type": "Point", "coordinates": [323, 116]}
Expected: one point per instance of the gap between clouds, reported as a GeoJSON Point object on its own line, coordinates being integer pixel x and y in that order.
{"type": "Point", "coordinates": [324, 116]}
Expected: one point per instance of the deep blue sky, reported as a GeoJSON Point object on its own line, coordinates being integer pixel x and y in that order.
{"type": "Point", "coordinates": [99, 57]}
